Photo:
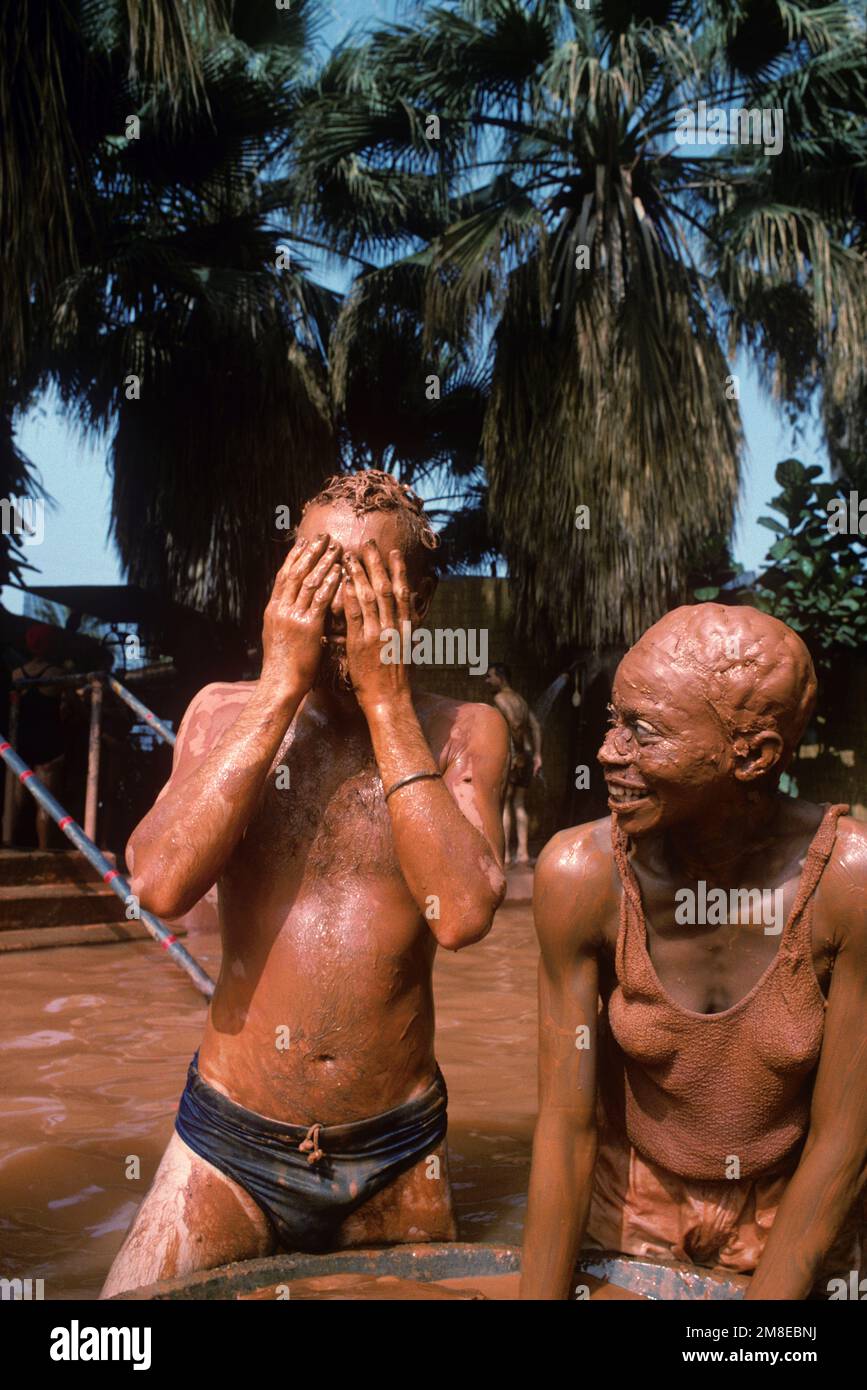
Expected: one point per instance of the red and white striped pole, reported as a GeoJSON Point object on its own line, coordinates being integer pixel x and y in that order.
{"type": "Point", "coordinates": [115, 880]}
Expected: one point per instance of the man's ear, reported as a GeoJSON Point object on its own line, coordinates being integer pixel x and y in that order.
{"type": "Point", "coordinates": [422, 596]}
{"type": "Point", "coordinates": [757, 756]}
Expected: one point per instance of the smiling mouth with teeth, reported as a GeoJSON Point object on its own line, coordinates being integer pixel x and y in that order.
{"type": "Point", "coordinates": [624, 795]}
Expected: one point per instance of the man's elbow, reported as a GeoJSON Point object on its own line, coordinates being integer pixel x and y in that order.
{"type": "Point", "coordinates": [159, 898]}
{"type": "Point", "coordinates": [470, 921]}
{"type": "Point", "coordinates": [154, 886]}
{"type": "Point", "coordinates": [454, 937]}
{"type": "Point", "coordinates": [157, 893]}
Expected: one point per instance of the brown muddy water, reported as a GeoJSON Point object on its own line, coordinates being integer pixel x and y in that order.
{"type": "Point", "coordinates": [94, 1047]}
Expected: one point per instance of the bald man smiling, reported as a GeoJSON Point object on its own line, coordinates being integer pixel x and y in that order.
{"type": "Point", "coordinates": [714, 1108]}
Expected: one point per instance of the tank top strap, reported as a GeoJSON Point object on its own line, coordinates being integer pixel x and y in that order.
{"type": "Point", "coordinates": [797, 933]}
{"type": "Point", "coordinates": [631, 912]}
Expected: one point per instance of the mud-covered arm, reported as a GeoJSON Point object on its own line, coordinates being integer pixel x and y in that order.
{"type": "Point", "coordinates": [447, 831]}
{"type": "Point", "coordinates": [227, 742]}
{"type": "Point", "coordinates": [564, 1145]}
{"type": "Point", "coordinates": [827, 1182]}
{"type": "Point", "coordinates": [448, 834]}
{"type": "Point", "coordinates": [185, 841]}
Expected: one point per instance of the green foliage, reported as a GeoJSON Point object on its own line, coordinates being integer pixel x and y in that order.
{"type": "Point", "coordinates": [816, 579]}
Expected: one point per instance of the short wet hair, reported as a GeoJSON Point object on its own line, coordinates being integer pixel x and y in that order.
{"type": "Point", "coordinates": [373, 490]}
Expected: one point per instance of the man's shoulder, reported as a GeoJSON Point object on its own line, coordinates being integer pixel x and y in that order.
{"type": "Point", "coordinates": [513, 703]}
{"type": "Point", "coordinates": [473, 715]}
{"type": "Point", "coordinates": [222, 689]}
{"type": "Point", "coordinates": [220, 695]}
{"type": "Point", "coordinates": [210, 709]}
{"type": "Point", "coordinates": [462, 729]}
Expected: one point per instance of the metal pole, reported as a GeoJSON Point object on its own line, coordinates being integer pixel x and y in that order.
{"type": "Point", "coordinates": [121, 691]}
{"type": "Point", "coordinates": [141, 709]}
{"type": "Point", "coordinates": [92, 798]}
{"type": "Point", "coordinates": [9, 789]}
{"type": "Point", "coordinates": [115, 880]}
{"type": "Point", "coordinates": [74, 678]}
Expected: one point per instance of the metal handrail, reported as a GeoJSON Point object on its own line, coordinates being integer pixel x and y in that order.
{"type": "Point", "coordinates": [140, 708]}
{"type": "Point", "coordinates": [95, 679]}
{"type": "Point", "coordinates": [69, 678]}
{"type": "Point", "coordinates": [135, 704]}
{"type": "Point", "coordinates": [110, 875]}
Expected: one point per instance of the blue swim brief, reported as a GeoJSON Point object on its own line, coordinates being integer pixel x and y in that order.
{"type": "Point", "coordinates": [308, 1180]}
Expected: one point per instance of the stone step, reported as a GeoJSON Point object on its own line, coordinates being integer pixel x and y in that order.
{"type": "Point", "coordinates": [39, 905]}
{"type": "Point", "coordinates": [82, 934]}
{"type": "Point", "coordinates": [19, 866]}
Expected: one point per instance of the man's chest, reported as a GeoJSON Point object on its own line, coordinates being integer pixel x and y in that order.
{"type": "Point", "coordinates": [322, 813]}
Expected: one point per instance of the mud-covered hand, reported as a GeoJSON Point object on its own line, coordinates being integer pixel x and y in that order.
{"type": "Point", "coordinates": [295, 617]}
{"type": "Point", "coordinates": [376, 600]}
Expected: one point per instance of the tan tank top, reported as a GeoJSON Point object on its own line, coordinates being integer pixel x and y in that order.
{"type": "Point", "coordinates": [693, 1091]}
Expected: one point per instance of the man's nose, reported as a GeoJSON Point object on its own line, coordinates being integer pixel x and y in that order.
{"type": "Point", "coordinates": [616, 748]}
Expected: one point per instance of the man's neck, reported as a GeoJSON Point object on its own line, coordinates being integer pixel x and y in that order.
{"type": "Point", "coordinates": [334, 706]}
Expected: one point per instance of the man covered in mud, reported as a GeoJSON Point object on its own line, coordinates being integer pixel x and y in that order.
{"type": "Point", "coordinates": [525, 756]}
{"type": "Point", "coordinates": [723, 926]}
{"type": "Point", "coordinates": [353, 825]}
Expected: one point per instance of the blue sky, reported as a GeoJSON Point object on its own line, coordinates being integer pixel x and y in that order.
{"type": "Point", "coordinates": [77, 548]}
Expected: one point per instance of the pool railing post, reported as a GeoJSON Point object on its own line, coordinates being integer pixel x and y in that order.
{"type": "Point", "coordinates": [91, 804]}
{"type": "Point", "coordinates": [9, 786]}
{"type": "Point", "coordinates": [106, 870]}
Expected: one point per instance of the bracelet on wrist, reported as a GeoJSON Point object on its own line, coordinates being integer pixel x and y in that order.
{"type": "Point", "coordinates": [413, 777]}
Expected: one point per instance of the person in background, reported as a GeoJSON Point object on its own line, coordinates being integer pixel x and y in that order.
{"type": "Point", "coordinates": [40, 740]}
{"type": "Point", "coordinates": [526, 755]}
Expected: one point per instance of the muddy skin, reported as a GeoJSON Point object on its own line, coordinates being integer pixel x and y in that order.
{"type": "Point", "coordinates": [706, 711]}
{"type": "Point", "coordinates": [326, 893]}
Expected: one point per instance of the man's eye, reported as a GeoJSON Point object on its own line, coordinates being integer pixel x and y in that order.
{"type": "Point", "coordinates": [644, 730]}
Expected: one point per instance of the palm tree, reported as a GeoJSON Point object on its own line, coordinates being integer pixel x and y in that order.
{"type": "Point", "coordinates": [419, 414]}
{"type": "Point", "coordinates": [179, 321]}
{"type": "Point", "coordinates": [523, 156]}
{"type": "Point", "coordinates": [62, 68]}
{"type": "Point", "coordinates": [788, 246]}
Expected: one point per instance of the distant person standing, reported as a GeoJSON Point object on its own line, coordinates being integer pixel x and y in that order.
{"type": "Point", "coordinates": [526, 750]}
{"type": "Point", "coordinates": [40, 741]}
